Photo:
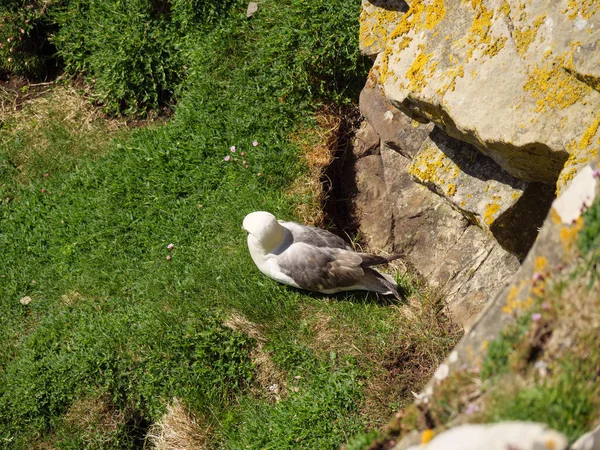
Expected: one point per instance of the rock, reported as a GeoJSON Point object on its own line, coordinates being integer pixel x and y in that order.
{"type": "Point", "coordinates": [553, 252]}
{"type": "Point", "coordinates": [508, 208]}
{"type": "Point", "coordinates": [252, 8]}
{"type": "Point", "coordinates": [589, 441]}
{"type": "Point", "coordinates": [396, 130]}
{"type": "Point", "coordinates": [396, 214]}
{"type": "Point", "coordinates": [499, 436]}
{"type": "Point", "coordinates": [519, 81]}
{"type": "Point", "coordinates": [25, 300]}
{"type": "Point", "coordinates": [378, 18]}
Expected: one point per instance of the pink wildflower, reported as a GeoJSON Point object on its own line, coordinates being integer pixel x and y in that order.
{"type": "Point", "coordinates": [168, 257]}
{"type": "Point", "coordinates": [472, 408]}
{"type": "Point", "coordinates": [596, 173]}
{"type": "Point", "coordinates": [170, 246]}
{"type": "Point", "coordinates": [244, 162]}
{"type": "Point", "coordinates": [255, 144]}
{"type": "Point", "coordinates": [232, 148]}
{"type": "Point", "coordinates": [227, 158]}
{"type": "Point", "coordinates": [536, 317]}
{"type": "Point", "coordinates": [243, 154]}
{"type": "Point", "coordinates": [546, 306]}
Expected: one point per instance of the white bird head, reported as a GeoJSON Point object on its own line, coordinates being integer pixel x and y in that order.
{"type": "Point", "coordinates": [264, 228]}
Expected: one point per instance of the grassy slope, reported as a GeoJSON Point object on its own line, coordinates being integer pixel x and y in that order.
{"type": "Point", "coordinates": [115, 328]}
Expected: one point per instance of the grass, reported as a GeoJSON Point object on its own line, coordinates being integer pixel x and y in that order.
{"type": "Point", "coordinates": [118, 344]}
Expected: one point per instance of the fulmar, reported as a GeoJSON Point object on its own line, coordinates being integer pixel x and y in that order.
{"type": "Point", "coordinates": [314, 259]}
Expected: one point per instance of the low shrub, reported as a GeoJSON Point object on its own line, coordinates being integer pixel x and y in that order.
{"type": "Point", "coordinates": [24, 29]}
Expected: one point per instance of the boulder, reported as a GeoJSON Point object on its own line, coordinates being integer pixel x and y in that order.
{"type": "Point", "coordinates": [519, 81]}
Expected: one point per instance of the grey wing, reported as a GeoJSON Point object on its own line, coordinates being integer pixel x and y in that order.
{"type": "Point", "coordinates": [318, 269]}
{"type": "Point", "coordinates": [314, 236]}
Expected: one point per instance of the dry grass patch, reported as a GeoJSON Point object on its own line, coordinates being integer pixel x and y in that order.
{"type": "Point", "coordinates": [51, 130]}
{"type": "Point", "coordinates": [179, 429]}
{"type": "Point", "coordinates": [318, 147]}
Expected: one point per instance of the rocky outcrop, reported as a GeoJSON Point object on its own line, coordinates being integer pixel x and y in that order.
{"type": "Point", "coordinates": [490, 104]}
{"type": "Point", "coordinates": [518, 80]}
{"type": "Point", "coordinates": [397, 214]}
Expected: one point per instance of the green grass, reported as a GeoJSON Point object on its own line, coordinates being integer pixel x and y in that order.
{"type": "Point", "coordinates": [115, 328]}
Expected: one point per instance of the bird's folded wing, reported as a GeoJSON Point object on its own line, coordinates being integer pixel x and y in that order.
{"type": "Point", "coordinates": [314, 236]}
{"type": "Point", "coordinates": [317, 269]}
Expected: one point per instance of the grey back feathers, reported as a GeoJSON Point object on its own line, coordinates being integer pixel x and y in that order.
{"type": "Point", "coordinates": [311, 258]}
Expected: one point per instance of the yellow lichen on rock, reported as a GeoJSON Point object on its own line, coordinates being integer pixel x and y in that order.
{"type": "Point", "coordinates": [479, 36]}
{"type": "Point", "coordinates": [541, 262]}
{"type": "Point", "coordinates": [374, 26]}
{"type": "Point", "coordinates": [490, 210]}
{"type": "Point", "coordinates": [581, 8]}
{"type": "Point", "coordinates": [553, 87]}
{"type": "Point", "coordinates": [420, 16]}
{"type": "Point", "coordinates": [589, 134]}
{"type": "Point", "coordinates": [420, 70]}
{"type": "Point", "coordinates": [524, 36]}
{"type": "Point", "coordinates": [434, 13]}
{"type": "Point", "coordinates": [569, 233]}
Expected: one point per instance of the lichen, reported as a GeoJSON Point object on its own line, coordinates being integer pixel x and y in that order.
{"type": "Point", "coordinates": [586, 139]}
{"type": "Point", "coordinates": [583, 8]}
{"type": "Point", "coordinates": [375, 26]}
{"type": "Point", "coordinates": [420, 16]}
{"type": "Point", "coordinates": [420, 70]}
{"type": "Point", "coordinates": [552, 87]}
{"type": "Point", "coordinates": [569, 233]}
{"type": "Point", "coordinates": [479, 36]}
{"type": "Point", "coordinates": [451, 189]}
{"type": "Point", "coordinates": [490, 210]}
{"type": "Point", "coordinates": [524, 36]}
{"type": "Point", "coordinates": [540, 264]}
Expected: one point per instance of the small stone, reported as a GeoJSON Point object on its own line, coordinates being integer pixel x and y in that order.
{"type": "Point", "coordinates": [252, 8]}
{"type": "Point", "coordinates": [25, 300]}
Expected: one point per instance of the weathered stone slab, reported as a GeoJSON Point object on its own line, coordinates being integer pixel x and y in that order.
{"type": "Point", "coordinates": [519, 81]}
{"type": "Point", "coordinates": [378, 18]}
{"type": "Point", "coordinates": [508, 208]}
{"type": "Point", "coordinates": [396, 129]}
{"type": "Point", "coordinates": [396, 214]}
{"type": "Point", "coordinates": [553, 252]}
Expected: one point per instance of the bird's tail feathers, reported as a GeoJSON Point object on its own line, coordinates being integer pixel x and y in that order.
{"type": "Point", "coordinates": [369, 259]}
{"type": "Point", "coordinates": [381, 283]}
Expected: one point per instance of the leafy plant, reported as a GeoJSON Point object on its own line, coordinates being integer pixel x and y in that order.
{"type": "Point", "coordinates": [24, 29]}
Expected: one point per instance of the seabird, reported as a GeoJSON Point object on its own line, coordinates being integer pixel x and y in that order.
{"type": "Point", "coordinates": [312, 258]}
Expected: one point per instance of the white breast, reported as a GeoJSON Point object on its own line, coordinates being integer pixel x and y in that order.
{"type": "Point", "coordinates": [267, 262]}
